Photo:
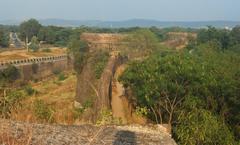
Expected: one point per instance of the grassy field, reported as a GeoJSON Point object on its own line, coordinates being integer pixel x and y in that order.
{"type": "Point", "coordinates": [57, 94]}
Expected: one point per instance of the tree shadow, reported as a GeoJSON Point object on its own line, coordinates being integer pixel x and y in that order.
{"type": "Point", "coordinates": [125, 138]}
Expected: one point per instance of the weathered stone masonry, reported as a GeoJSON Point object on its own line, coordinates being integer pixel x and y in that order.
{"type": "Point", "coordinates": [40, 67]}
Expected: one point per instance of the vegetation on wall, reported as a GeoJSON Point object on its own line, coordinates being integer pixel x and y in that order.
{"type": "Point", "coordinates": [9, 75]}
{"type": "Point", "coordinates": [100, 61]}
{"type": "Point", "coordinates": [79, 49]}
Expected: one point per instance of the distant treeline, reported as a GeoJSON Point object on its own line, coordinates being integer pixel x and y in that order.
{"type": "Point", "coordinates": [60, 36]}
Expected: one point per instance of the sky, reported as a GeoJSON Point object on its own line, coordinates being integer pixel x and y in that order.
{"type": "Point", "coordinates": [117, 10]}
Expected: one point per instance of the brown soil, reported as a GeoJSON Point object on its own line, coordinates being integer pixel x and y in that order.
{"type": "Point", "coordinates": [121, 107]}
{"type": "Point", "coordinates": [117, 102]}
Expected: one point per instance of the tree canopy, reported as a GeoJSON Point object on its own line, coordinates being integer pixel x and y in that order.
{"type": "Point", "coordinates": [29, 28]}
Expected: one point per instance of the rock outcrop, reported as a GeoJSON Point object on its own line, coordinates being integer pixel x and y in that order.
{"type": "Point", "coordinates": [39, 134]}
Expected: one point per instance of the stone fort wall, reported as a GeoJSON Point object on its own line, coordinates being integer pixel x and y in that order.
{"type": "Point", "coordinates": [40, 67]}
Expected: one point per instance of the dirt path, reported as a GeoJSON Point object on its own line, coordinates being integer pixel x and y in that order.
{"type": "Point", "coordinates": [117, 93]}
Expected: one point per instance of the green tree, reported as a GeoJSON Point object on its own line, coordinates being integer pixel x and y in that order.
{"type": "Point", "coordinates": [162, 83]}
{"type": "Point", "coordinates": [79, 49]}
{"type": "Point", "coordinates": [4, 38]}
{"type": "Point", "coordinates": [235, 33]}
{"type": "Point", "coordinates": [34, 45]}
{"type": "Point", "coordinates": [28, 29]}
{"type": "Point", "coordinates": [142, 40]}
{"type": "Point", "coordinates": [197, 126]}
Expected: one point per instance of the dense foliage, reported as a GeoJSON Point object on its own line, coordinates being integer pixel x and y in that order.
{"type": "Point", "coordinates": [4, 38]}
{"type": "Point", "coordinates": [58, 36]}
{"type": "Point", "coordinates": [227, 40]}
{"type": "Point", "coordinates": [79, 49]}
{"type": "Point", "coordinates": [197, 92]}
{"type": "Point", "coordinates": [34, 45]}
{"type": "Point", "coordinates": [29, 28]}
{"type": "Point", "coordinates": [100, 61]}
{"type": "Point", "coordinates": [9, 75]}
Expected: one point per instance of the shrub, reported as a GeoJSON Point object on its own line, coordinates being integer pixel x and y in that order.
{"type": "Point", "coordinates": [34, 44]}
{"type": "Point", "coordinates": [100, 62]}
{"type": "Point", "coordinates": [141, 111]}
{"type": "Point", "coordinates": [199, 126]}
{"type": "Point", "coordinates": [106, 117]}
{"type": "Point", "coordinates": [80, 50]}
{"type": "Point", "coordinates": [11, 73]}
{"type": "Point", "coordinates": [46, 50]}
{"type": "Point", "coordinates": [56, 71]}
{"type": "Point", "coordinates": [77, 112]}
{"type": "Point", "coordinates": [61, 77]}
{"type": "Point", "coordinates": [9, 102]}
{"type": "Point", "coordinates": [42, 111]}
{"type": "Point", "coordinates": [29, 90]}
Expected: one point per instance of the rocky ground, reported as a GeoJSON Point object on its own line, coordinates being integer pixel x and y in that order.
{"type": "Point", "coordinates": [38, 134]}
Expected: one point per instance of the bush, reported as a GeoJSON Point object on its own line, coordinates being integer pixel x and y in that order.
{"type": "Point", "coordinates": [77, 112]}
{"type": "Point", "coordinates": [141, 111]}
{"type": "Point", "coordinates": [61, 77]}
{"type": "Point", "coordinates": [46, 50]}
{"type": "Point", "coordinates": [9, 102]}
{"type": "Point", "coordinates": [11, 73]}
{"type": "Point", "coordinates": [80, 50]}
{"type": "Point", "coordinates": [200, 126]}
{"type": "Point", "coordinates": [42, 111]}
{"type": "Point", "coordinates": [34, 44]}
{"type": "Point", "coordinates": [56, 71]}
{"type": "Point", "coordinates": [29, 90]}
{"type": "Point", "coordinates": [100, 62]}
{"type": "Point", "coordinates": [106, 117]}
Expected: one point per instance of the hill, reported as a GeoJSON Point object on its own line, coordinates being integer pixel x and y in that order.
{"type": "Point", "coordinates": [130, 23]}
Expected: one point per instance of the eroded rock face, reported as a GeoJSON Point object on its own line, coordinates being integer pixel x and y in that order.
{"type": "Point", "coordinates": [35, 134]}
{"type": "Point", "coordinates": [99, 89]}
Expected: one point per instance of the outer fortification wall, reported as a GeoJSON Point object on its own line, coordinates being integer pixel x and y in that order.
{"type": "Point", "coordinates": [39, 68]}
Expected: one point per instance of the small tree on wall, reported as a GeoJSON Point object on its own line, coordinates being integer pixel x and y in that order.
{"type": "Point", "coordinates": [80, 50]}
{"type": "Point", "coordinates": [34, 46]}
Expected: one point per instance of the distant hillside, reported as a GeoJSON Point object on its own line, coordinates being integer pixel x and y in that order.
{"type": "Point", "coordinates": [130, 23]}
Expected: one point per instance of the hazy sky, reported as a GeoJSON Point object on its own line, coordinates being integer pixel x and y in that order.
{"type": "Point", "coordinates": [163, 10]}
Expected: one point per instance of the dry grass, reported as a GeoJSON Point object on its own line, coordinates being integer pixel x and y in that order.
{"type": "Point", "coordinates": [8, 138]}
{"type": "Point", "coordinates": [59, 95]}
{"type": "Point", "coordinates": [23, 54]}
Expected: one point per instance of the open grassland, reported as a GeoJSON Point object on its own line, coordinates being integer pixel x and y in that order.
{"type": "Point", "coordinates": [58, 97]}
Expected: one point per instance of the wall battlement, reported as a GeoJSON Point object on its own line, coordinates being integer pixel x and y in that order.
{"type": "Point", "coordinates": [20, 62]}
{"type": "Point", "coordinates": [39, 67]}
